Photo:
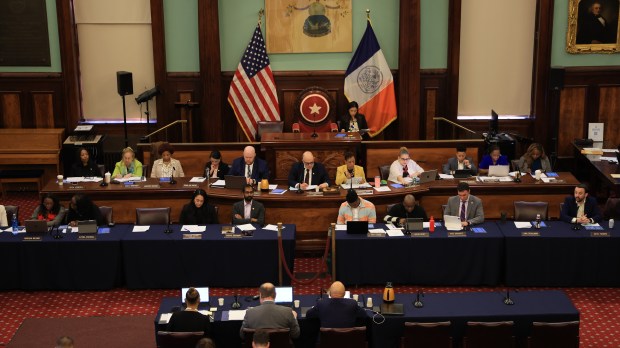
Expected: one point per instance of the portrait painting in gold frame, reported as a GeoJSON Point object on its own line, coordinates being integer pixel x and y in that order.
{"type": "Point", "coordinates": [593, 26]}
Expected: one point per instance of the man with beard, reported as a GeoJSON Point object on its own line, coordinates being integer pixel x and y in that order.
{"type": "Point", "coordinates": [248, 210]}
{"type": "Point", "coordinates": [580, 209]}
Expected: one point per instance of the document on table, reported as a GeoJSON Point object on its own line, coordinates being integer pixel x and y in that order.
{"type": "Point", "coordinates": [165, 318]}
{"type": "Point", "coordinates": [193, 228]}
{"type": "Point", "coordinates": [376, 230]}
{"type": "Point", "coordinates": [219, 183]}
{"type": "Point", "coordinates": [446, 176]}
{"type": "Point", "coordinates": [246, 227]}
{"type": "Point", "coordinates": [10, 229]}
{"type": "Point", "coordinates": [348, 185]}
{"type": "Point", "coordinates": [382, 189]}
{"type": "Point", "coordinates": [133, 178]}
{"type": "Point", "coordinates": [523, 224]}
{"type": "Point", "coordinates": [392, 227]}
{"type": "Point", "coordinates": [394, 233]}
{"type": "Point", "coordinates": [272, 227]}
{"type": "Point", "coordinates": [236, 314]}
{"type": "Point", "coordinates": [341, 227]}
{"type": "Point", "coordinates": [140, 228]}
{"type": "Point", "coordinates": [198, 179]}
{"type": "Point", "coordinates": [452, 223]}
{"type": "Point", "coordinates": [83, 179]}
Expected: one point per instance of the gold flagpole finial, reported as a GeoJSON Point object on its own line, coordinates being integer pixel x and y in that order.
{"type": "Point", "coordinates": [261, 13]}
{"type": "Point", "coordinates": [368, 14]}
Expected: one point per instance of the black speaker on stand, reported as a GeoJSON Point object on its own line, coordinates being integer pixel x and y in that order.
{"type": "Point", "coordinates": [124, 85]}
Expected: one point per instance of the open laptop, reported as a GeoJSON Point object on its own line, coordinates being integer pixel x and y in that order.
{"type": "Point", "coordinates": [87, 226]}
{"type": "Point", "coordinates": [36, 226]}
{"type": "Point", "coordinates": [428, 176]}
{"type": "Point", "coordinates": [284, 295]}
{"type": "Point", "coordinates": [357, 227]}
{"type": "Point", "coordinates": [415, 224]}
{"type": "Point", "coordinates": [462, 173]}
{"type": "Point", "coordinates": [203, 292]}
{"type": "Point", "coordinates": [499, 170]}
{"type": "Point", "coordinates": [234, 182]}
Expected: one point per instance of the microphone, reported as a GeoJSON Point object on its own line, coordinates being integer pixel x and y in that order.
{"type": "Point", "coordinates": [576, 226]}
{"type": "Point", "coordinates": [301, 180]}
{"type": "Point", "coordinates": [418, 303]}
{"type": "Point", "coordinates": [168, 230]}
{"type": "Point", "coordinates": [172, 181]}
{"type": "Point", "coordinates": [321, 292]}
{"type": "Point", "coordinates": [507, 300]}
{"type": "Point", "coordinates": [57, 235]}
{"type": "Point", "coordinates": [518, 175]}
{"type": "Point", "coordinates": [236, 304]}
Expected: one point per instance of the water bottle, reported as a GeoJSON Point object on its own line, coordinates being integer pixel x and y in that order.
{"type": "Point", "coordinates": [611, 223]}
{"type": "Point", "coordinates": [537, 220]}
{"type": "Point", "coordinates": [431, 225]}
{"type": "Point", "coordinates": [14, 223]}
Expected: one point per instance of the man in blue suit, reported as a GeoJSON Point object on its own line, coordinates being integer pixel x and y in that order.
{"type": "Point", "coordinates": [337, 311]}
{"type": "Point", "coordinates": [581, 208]}
{"type": "Point", "coordinates": [254, 169]}
{"type": "Point", "coordinates": [307, 172]}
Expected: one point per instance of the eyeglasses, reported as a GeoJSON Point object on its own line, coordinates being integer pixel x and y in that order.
{"type": "Point", "coordinates": [309, 163]}
{"type": "Point", "coordinates": [404, 159]}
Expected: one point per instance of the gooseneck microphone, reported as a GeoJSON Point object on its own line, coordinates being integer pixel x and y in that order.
{"type": "Point", "coordinates": [418, 303]}
{"type": "Point", "coordinates": [168, 230]}
{"type": "Point", "coordinates": [236, 304]}
{"type": "Point", "coordinates": [301, 180]}
{"type": "Point", "coordinates": [507, 300]}
{"type": "Point", "coordinates": [172, 181]}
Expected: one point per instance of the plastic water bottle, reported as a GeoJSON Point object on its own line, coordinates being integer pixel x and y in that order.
{"type": "Point", "coordinates": [431, 225]}
{"type": "Point", "coordinates": [611, 223]}
{"type": "Point", "coordinates": [14, 223]}
{"type": "Point", "coordinates": [537, 220]}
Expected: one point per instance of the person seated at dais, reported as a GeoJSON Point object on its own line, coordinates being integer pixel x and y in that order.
{"type": "Point", "coordinates": [580, 208]}
{"type": "Point", "coordinates": [49, 210]}
{"type": "Point", "coordinates": [166, 166]}
{"type": "Point", "coordinates": [494, 158]}
{"type": "Point", "coordinates": [408, 209]}
{"type": "Point", "coordinates": [248, 210]}
{"type": "Point", "coordinates": [460, 162]}
{"type": "Point", "coordinates": [307, 172]}
{"type": "Point", "coordinates": [466, 206]}
{"type": "Point", "coordinates": [216, 168]}
{"type": "Point", "coordinates": [356, 209]}
{"type": "Point", "coordinates": [534, 159]}
{"type": "Point", "coordinates": [353, 121]}
{"type": "Point", "coordinates": [253, 168]}
{"type": "Point", "coordinates": [404, 169]}
{"type": "Point", "coordinates": [81, 208]}
{"type": "Point", "coordinates": [128, 166]}
{"type": "Point", "coordinates": [198, 211]}
{"type": "Point", "coordinates": [350, 170]}
{"type": "Point", "coordinates": [85, 166]}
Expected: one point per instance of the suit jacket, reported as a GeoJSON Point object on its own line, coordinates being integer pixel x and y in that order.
{"type": "Point", "coordinates": [296, 175]}
{"type": "Point", "coordinates": [346, 120]}
{"type": "Point", "coordinates": [337, 312]}
{"type": "Point", "coordinates": [569, 209]}
{"type": "Point", "coordinates": [453, 164]}
{"type": "Point", "coordinates": [222, 170]}
{"type": "Point", "coordinates": [189, 321]}
{"type": "Point", "coordinates": [270, 316]}
{"type": "Point", "coordinates": [475, 214]}
{"type": "Point", "coordinates": [258, 212]}
{"type": "Point", "coordinates": [259, 168]}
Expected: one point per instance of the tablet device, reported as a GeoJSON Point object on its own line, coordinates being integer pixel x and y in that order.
{"type": "Point", "coordinates": [87, 226]}
{"type": "Point", "coordinates": [415, 224]}
{"type": "Point", "coordinates": [357, 227]}
{"type": "Point", "coordinates": [36, 226]}
{"type": "Point", "coordinates": [462, 173]}
{"type": "Point", "coordinates": [284, 294]}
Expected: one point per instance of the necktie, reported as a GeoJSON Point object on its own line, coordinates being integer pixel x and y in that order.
{"type": "Point", "coordinates": [405, 171]}
{"type": "Point", "coordinates": [249, 171]}
{"type": "Point", "coordinates": [463, 211]}
{"type": "Point", "coordinates": [307, 177]}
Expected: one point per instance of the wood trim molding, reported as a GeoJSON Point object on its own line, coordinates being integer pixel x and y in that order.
{"type": "Point", "coordinates": [409, 95]}
{"type": "Point", "coordinates": [454, 53]}
{"type": "Point", "coordinates": [159, 62]}
{"type": "Point", "coordinates": [69, 57]}
{"type": "Point", "coordinates": [212, 101]}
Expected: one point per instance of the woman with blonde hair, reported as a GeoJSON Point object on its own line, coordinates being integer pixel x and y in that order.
{"type": "Point", "coordinates": [534, 159]}
{"type": "Point", "coordinates": [128, 166]}
{"type": "Point", "coordinates": [404, 168]}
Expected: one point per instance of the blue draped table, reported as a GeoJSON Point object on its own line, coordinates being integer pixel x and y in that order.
{"type": "Point", "coordinates": [561, 256]}
{"type": "Point", "coordinates": [155, 260]}
{"type": "Point", "coordinates": [435, 260]}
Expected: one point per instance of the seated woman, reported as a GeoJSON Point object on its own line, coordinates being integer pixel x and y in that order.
{"type": "Point", "coordinates": [534, 159]}
{"type": "Point", "coordinates": [198, 211]}
{"type": "Point", "coordinates": [494, 158]}
{"type": "Point", "coordinates": [353, 121]}
{"type": "Point", "coordinates": [166, 165]}
{"type": "Point", "coordinates": [128, 166]}
{"type": "Point", "coordinates": [350, 170]}
{"type": "Point", "coordinates": [82, 208]}
{"type": "Point", "coordinates": [216, 168]}
{"type": "Point", "coordinates": [404, 169]}
{"type": "Point", "coordinates": [49, 210]}
{"type": "Point", "coordinates": [85, 166]}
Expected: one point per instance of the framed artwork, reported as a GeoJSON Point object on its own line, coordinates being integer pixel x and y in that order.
{"type": "Point", "coordinates": [308, 26]}
{"type": "Point", "coordinates": [593, 26]}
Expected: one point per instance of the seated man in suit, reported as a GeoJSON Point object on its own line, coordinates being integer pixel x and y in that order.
{"type": "Point", "coordinates": [460, 162]}
{"type": "Point", "coordinates": [248, 210]}
{"type": "Point", "coordinates": [337, 311]}
{"type": "Point", "coordinates": [582, 208]}
{"type": "Point", "coordinates": [269, 315]}
{"type": "Point", "coordinates": [190, 320]}
{"type": "Point", "coordinates": [466, 206]}
{"type": "Point", "coordinates": [307, 172]}
{"type": "Point", "coordinates": [253, 168]}
{"type": "Point", "coordinates": [356, 209]}
{"type": "Point", "coordinates": [399, 213]}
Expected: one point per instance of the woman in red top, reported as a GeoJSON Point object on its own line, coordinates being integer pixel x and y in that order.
{"type": "Point", "coordinates": [49, 210]}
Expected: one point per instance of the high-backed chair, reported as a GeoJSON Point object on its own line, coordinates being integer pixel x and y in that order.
{"type": "Point", "coordinates": [10, 210]}
{"type": "Point", "coordinates": [268, 127]}
{"type": "Point", "coordinates": [167, 339]}
{"type": "Point", "coordinates": [152, 216]}
{"type": "Point", "coordinates": [420, 335]}
{"type": "Point", "coordinates": [101, 169]}
{"type": "Point", "coordinates": [561, 207]}
{"type": "Point", "coordinates": [322, 114]}
{"type": "Point", "coordinates": [527, 211]}
{"type": "Point", "coordinates": [612, 209]}
{"type": "Point", "coordinates": [278, 338]}
{"type": "Point", "coordinates": [514, 164]}
{"type": "Point", "coordinates": [106, 212]}
{"type": "Point", "coordinates": [343, 337]}
{"type": "Point", "coordinates": [384, 172]}
{"type": "Point", "coordinates": [489, 335]}
{"type": "Point", "coordinates": [145, 171]}
{"type": "Point", "coordinates": [564, 334]}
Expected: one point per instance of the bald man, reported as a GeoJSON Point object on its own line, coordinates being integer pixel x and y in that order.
{"type": "Point", "coordinates": [337, 311]}
{"type": "Point", "coordinates": [308, 172]}
{"type": "Point", "coordinates": [408, 209]}
{"type": "Point", "coordinates": [269, 315]}
{"type": "Point", "coordinates": [250, 166]}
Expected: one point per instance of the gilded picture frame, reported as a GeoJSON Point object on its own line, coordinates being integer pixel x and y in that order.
{"type": "Point", "coordinates": [593, 26]}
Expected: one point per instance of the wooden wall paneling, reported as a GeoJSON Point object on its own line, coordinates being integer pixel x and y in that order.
{"type": "Point", "coordinates": [454, 52]}
{"type": "Point", "coordinates": [11, 109]}
{"type": "Point", "coordinates": [43, 108]}
{"type": "Point", "coordinates": [68, 99]}
{"type": "Point", "coordinates": [609, 110]}
{"type": "Point", "coordinates": [408, 96]}
{"type": "Point", "coordinates": [431, 111]}
{"type": "Point", "coordinates": [287, 108]}
{"type": "Point", "coordinates": [210, 71]}
{"type": "Point", "coordinates": [572, 118]}
{"type": "Point", "coordinates": [165, 100]}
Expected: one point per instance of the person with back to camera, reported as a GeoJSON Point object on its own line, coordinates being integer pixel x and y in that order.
{"type": "Point", "coordinates": [494, 158]}
{"type": "Point", "coordinates": [216, 167]}
{"type": "Point", "coordinates": [269, 315]}
{"type": "Point", "coordinates": [85, 166]}
{"type": "Point", "coordinates": [534, 159]}
{"type": "Point", "coordinates": [190, 320]}
{"type": "Point", "coordinates": [49, 210]}
{"type": "Point", "coordinates": [81, 208]}
{"type": "Point", "coordinates": [353, 121]}
{"type": "Point", "coordinates": [404, 169]}
{"type": "Point", "coordinates": [166, 166]}
{"type": "Point", "coordinates": [337, 311]}
{"type": "Point", "coordinates": [198, 211]}
{"type": "Point", "coordinates": [128, 166]}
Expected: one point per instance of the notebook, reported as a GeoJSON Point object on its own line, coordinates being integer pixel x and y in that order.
{"type": "Point", "coordinates": [357, 227]}
{"type": "Point", "coordinates": [499, 170]}
{"type": "Point", "coordinates": [427, 176]}
{"type": "Point", "coordinates": [203, 292]}
{"type": "Point", "coordinates": [234, 182]}
{"type": "Point", "coordinates": [36, 226]}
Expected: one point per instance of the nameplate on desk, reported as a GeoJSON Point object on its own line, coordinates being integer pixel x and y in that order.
{"type": "Point", "coordinates": [600, 234]}
{"type": "Point", "coordinates": [457, 234]}
{"type": "Point", "coordinates": [314, 193]}
{"type": "Point", "coordinates": [192, 236]}
{"type": "Point", "coordinates": [152, 186]}
{"type": "Point", "coordinates": [228, 230]}
{"type": "Point", "coordinates": [370, 234]}
{"type": "Point", "coordinates": [76, 187]}
{"type": "Point", "coordinates": [233, 235]}
{"type": "Point", "coordinates": [364, 192]}
{"type": "Point", "coordinates": [33, 239]}
{"type": "Point", "coordinates": [132, 185]}
{"type": "Point", "coordinates": [191, 185]}
{"type": "Point", "coordinates": [530, 234]}
{"type": "Point", "coordinates": [87, 237]}
{"type": "Point", "coordinates": [420, 234]}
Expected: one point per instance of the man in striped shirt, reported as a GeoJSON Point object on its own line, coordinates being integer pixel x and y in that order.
{"type": "Point", "coordinates": [356, 209]}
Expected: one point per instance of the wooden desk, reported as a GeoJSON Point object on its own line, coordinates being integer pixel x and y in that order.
{"type": "Point", "coordinates": [599, 172]}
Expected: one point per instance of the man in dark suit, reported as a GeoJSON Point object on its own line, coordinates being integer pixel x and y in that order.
{"type": "Point", "coordinates": [269, 315]}
{"type": "Point", "coordinates": [248, 210]}
{"type": "Point", "coordinates": [460, 162]}
{"type": "Point", "coordinates": [307, 172]}
{"type": "Point", "coordinates": [190, 320]}
{"type": "Point", "coordinates": [466, 206]}
{"type": "Point", "coordinates": [581, 208]}
{"type": "Point", "coordinates": [337, 311]}
{"type": "Point", "coordinates": [253, 168]}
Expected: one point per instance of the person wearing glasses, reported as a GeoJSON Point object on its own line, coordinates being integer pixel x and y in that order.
{"type": "Point", "coordinates": [216, 168]}
{"type": "Point", "coordinates": [198, 211]}
{"type": "Point", "coordinates": [404, 169]}
{"type": "Point", "coordinates": [250, 166]}
{"type": "Point", "coordinates": [350, 171]}
{"type": "Point", "coordinates": [307, 172]}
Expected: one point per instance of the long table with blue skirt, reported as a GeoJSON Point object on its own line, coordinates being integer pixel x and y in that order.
{"type": "Point", "coordinates": [530, 306]}
{"type": "Point", "coordinates": [438, 259]}
{"type": "Point", "coordinates": [154, 259]}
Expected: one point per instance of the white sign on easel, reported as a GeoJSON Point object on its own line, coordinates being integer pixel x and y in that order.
{"type": "Point", "coordinates": [596, 131]}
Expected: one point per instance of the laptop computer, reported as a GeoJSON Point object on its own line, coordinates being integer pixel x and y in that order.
{"type": "Point", "coordinates": [415, 224]}
{"type": "Point", "coordinates": [234, 182]}
{"type": "Point", "coordinates": [36, 226]}
{"type": "Point", "coordinates": [357, 227]}
{"type": "Point", "coordinates": [87, 226]}
{"type": "Point", "coordinates": [462, 173]}
{"type": "Point", "coordinates": [499, 170]}
{"type": "Point", "coordinates": [284, 295]}
{"type": "Point", "coordinates": [392, 309]}
{"type": "Point", "coordinates": [428, 176]}
{"type": "Point", "coordinates": [203, 292]}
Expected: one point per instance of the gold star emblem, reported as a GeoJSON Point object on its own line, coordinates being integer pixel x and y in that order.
{"type": "Point", "coordinates": [315, 109]}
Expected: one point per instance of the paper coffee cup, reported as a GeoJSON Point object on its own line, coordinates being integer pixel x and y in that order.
{"type": "Point", "coordinates": [59, 178]}
{"type": "Point", "coordinates": [296, 303]}
{"type": "Point", "coordinates": [369, 302]}
{"type": "Point", "coordinates": [355, 297]}
{"type": "Point", "coordinates": [220, 301]}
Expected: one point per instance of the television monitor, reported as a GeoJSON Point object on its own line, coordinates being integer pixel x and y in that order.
{"type": "Point", "coordinates": [493, 126]}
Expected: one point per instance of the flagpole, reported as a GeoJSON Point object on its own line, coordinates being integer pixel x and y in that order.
{"type": "Point", "coordinates": [368, 14]}
{"type": "Point", "coordinates": [261, 13]}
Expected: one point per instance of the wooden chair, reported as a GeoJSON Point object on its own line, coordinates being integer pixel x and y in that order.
{"type": "Point", "coordinates": [106, 212]}
{"type": "Point", "coordinates": [167, 339]}
{"type": "Point", "coordinates": [420, 335]}
{"type": "Point", "coordinates": [152, 216]}
{"type": "Point", "coordinates": [278, 338]}
{"type": "Point", "coordinates": [384, 172]}
{"type": "Point", "coordinates": [612, 209]}
{"type": "Point", "coordinates": [564, 334]}
{"type": "Point", "coordinates": [343, 337]}
{"type": "Point", "coordinates": [489, 335]}
{"type": "Point", "coordinates": [527, 211]}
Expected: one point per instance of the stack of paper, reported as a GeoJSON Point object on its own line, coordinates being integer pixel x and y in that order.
{"type": "Point", "coordinates": [198, 179]}
{"type": "Point", "coordinates": [140, 228]}
{"type": "Point", "coordinates": [246, 227]}
{"type": "Point", "coordinates": [193, 228]}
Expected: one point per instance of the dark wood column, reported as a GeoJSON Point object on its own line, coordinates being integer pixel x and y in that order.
{"type": "Point", "coordinates": [159, 65]}
{"type": "Point", "coordinates": [454, 53]}
{"type": "Point", "coordinates": [211, 103]}
{"type": "Point", "coordinates": [67, 35]}
{"type": "Point", "coordinates": [409, 70]}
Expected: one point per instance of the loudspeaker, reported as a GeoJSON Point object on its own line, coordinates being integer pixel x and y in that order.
{"type": "Point", "coordinates": [124, 83]}
{"type": "Point", "coordinates": [556, 78]}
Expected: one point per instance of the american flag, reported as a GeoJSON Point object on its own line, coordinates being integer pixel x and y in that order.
{"type": "Point", "coordinates": [252, 93]}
